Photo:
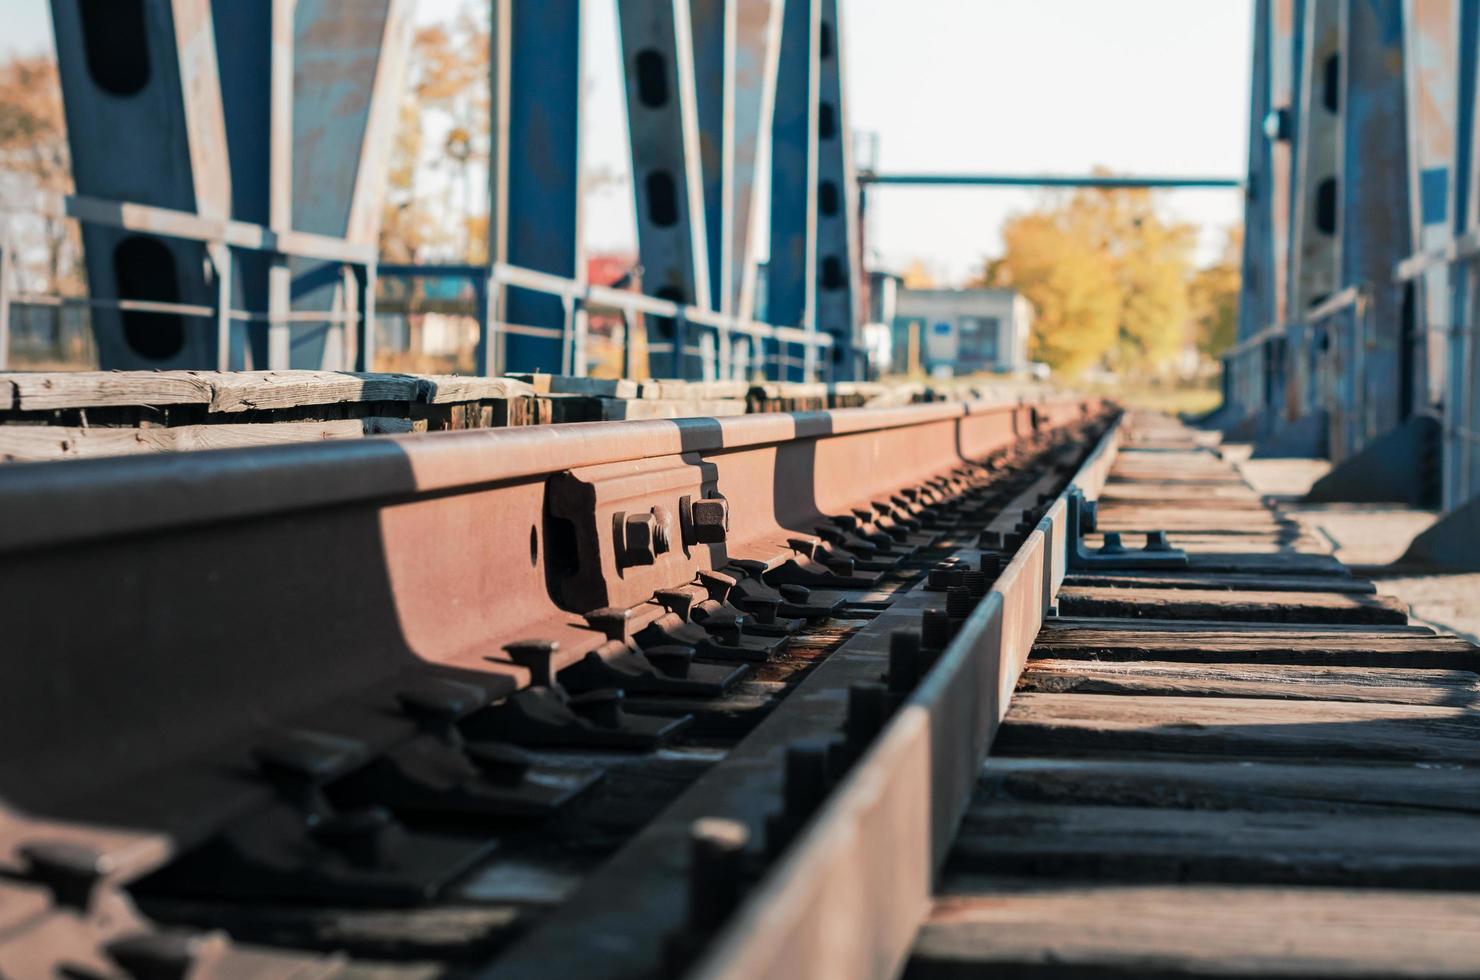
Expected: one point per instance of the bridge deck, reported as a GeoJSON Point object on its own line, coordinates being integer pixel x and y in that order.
{"type": "Point", "coordinates": [1251, 768]}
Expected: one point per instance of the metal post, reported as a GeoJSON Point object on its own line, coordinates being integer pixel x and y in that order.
{"type": "Point", "coordinates": [838, 271]}
{"type": "Point", "coordinates": [365, 280]}
{"type": "Point", "coordinates": [757, 51]}
{"type": "Point", "coordinates": [791, 279]}
{"type": "Point", "coordinates": [220, 256]}
{"type": "Point", "coordinates": [668, 180]}
{"type": "Point", "coordinates": [483, 293]}
{"type": "Point", "coordinates": [280, 183]}
{"type": "Point", "coordinates": [1460, 483]}
{"type": "Point", "coordinates": [1431, 59]}
{"type": "Point", "coordinates": [5, 276]}
{"type": "Point", "coordinates": [535, 213]}
{"type": "Point", "coordinates": [1375, 182]}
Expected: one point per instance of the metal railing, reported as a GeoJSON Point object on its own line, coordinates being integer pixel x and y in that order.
{"type": "Point", "coordinates": [490, 282]}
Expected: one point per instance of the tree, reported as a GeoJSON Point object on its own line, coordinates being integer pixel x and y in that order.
{"type": "Point", "coordinates": [1107, 276]}
{"type": "Point", "coordinates": [447, 83]}
{"type": "Point", "coordinates": [1214, 296]}
{"type": "Point", "coordinates": [33, 149]}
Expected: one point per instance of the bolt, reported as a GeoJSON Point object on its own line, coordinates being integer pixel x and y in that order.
{"type": "Point", "coordinates": [842, 567]}
{"type": "Point", "coordinates": [168, 953]}
{"type": "Point", "coordinates": [906, 663]}
{"type": "Point", "coordinates": [763, 608]}
{"type": "Point", "coordinates": [536, 656]}
{"type": "Point", "coordinates": [989, 539]}
{"type": "Point", "coordinates": [991, 564]}
{"type": "Point", "coordinates": [959, 602]}
{"type": "Point", "coordinates": [604, 707]}
{"type": "Point", "coordinates": [610, 620]}
{"type": "Point", "coordinates": [70, 870]}
{"type": "Point", "coordinates": [943, 576]}
{"type": "Point", "coordinates": [935, 629]}
{"type": "Point", "coordinates": [635, 536]}
{"type": "Point", "coordinates": [709, 520]}
{"type": "Point", "coordinates": [363, 835]}
{"type": "Point", "coordinates": [868, 709]}
{"type": "Point", "coordinates": [716, 870]}
{"type": "Point", "coordinates": [804, 782]}
{"type": "Point", "coordinates": [499, 762]}
{"type": "Point", "coordinates": [662, 530]}
{"type": "Point", "coordinates": [797, 595]}
{"type": "Point", "coordinates": [1112, 545]}
{"type": "Point", "coordinates": [1157, 541]}
{"type": "Point", "coordinates": [975, 583]}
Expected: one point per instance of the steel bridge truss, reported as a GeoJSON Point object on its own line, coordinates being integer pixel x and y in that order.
{"type": "Point", "coordinates": [245, 234]}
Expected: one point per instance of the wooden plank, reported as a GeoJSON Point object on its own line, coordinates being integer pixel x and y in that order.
{"type": "Point", "coordinates": [1100, 724]}
{"type": "Point", "coordinates": [36, 443]}
{"type": "Point", "coordinates": [1265, 563]}
{"type": "Point", "coordinates": [441, 389]}
{"type": "Point", "coordinates": [1383, 849]}
{"type": "Point", "coordinates": [243, 391]}
{"type": "Point", "coordinates": [48, 390]}
{"type": "Point", "coordinates": [1455, 688]}
{"type": "Point", "coordinates": [1263, 607]}
{"type": "Point", "coordinates": [994, 927]}
{"type": "Point", "coordinates": [1229, 582]}
{"type": "Point", "coordinates": [1213, 784]}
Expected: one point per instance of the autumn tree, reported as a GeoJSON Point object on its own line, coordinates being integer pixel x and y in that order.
{"type": "Point", "coordinates": [448, 85]}
{"type": "Point", "coordinates": [1214, 297]}
{"type": "Point", "coordinates": [33, 153]}
{"type": "Point", "coordinates": [1108, 278]}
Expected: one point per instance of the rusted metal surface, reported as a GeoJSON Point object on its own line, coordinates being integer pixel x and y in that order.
{"type": "Point", "coordinates": [204, 633]}
{"type": "Point", "coordinates": [849, 897]}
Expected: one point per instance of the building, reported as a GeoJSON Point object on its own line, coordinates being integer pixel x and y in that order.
{"type": "Point", "coordinates": [961, 331]}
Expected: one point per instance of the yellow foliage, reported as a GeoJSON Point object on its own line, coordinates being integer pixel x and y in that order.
{"type": "Point", "coordinates": [1108, 278]}
{"type": "Point", "coordinates": [1214, 294]}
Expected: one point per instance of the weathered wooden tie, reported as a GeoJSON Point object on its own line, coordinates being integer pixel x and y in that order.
{"type": "Point", "coordinates": [1253, 767]}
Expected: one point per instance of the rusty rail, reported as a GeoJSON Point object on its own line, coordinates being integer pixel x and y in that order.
{"type": "Point", "coordinates": [174, 620]}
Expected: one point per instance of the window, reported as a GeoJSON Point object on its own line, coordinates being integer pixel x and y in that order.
{"type": "Point", "coordinates": [979, 340]}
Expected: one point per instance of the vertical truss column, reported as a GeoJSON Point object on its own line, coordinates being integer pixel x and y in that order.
{"type": "Point", "coordinates": [667, 176]}
{"type": "Point", "coordinates": [130, 67]}
{"type": "Point", "coordinates": [1267, 202]}
{"type": "Point", "coordinates": [1375, 236]}
{"type": "Point", "coordinates": [1431, 52]}
{"type": "Point", "coordinates": [791, 273]}
{"type": "Point", "coordinates": [535, 213]}
{"type": "Point", "coordinates": [1314, 250]}
{"type": "Point", "coordinates": [1462, 405]}
{"type": "Point", "coordinates": [757, 52]}
{"type": "Point", "coordinates": [348, 60]}
{"type": "Point", "coordinates": [838, 272]}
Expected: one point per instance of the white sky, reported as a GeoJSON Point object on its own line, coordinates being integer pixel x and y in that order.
{"type": "Point", "coordinates": [1052, 86]}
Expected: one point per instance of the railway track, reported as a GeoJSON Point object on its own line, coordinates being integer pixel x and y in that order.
{"type": "Point", "coordinates": [702, 697]}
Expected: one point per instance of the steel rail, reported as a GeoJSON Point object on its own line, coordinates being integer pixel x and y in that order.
{"type": "Point", "coordinates": [850, 895]}
{"type": "Point", "coordinates": [173, 613]}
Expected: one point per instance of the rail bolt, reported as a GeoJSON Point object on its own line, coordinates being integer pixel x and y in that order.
{"type": "Point", "coordinates": [641, 538]}
{"type": "Point", "coordinates": [704, 521]}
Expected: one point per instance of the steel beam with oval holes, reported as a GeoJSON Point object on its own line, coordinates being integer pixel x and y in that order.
{"type": "Point", "coordinates": [667, 173]}
{"type": "Point", "coordinates": [130, 67]}
{"type": "Point", "coordinates": [838, 271]}
{"type": "Point", "coordinates": [791, 271]}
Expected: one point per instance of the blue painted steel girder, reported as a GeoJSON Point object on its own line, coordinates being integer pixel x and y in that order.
{"type": "Point", "coordinates": [791, 279]}
{"type": "Point", "coordinates": [535, 206]}
{"type": "Point", "coordinates": [132, 67]}
{"type": "Point", "coordinates": [1375, 233]}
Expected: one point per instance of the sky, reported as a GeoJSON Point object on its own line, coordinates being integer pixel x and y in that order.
{"type": "Point", "coordinates": [1016, 86]}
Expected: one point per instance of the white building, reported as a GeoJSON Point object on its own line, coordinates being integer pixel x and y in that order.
{"type": "Point", "coordinates": [961, 331]}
